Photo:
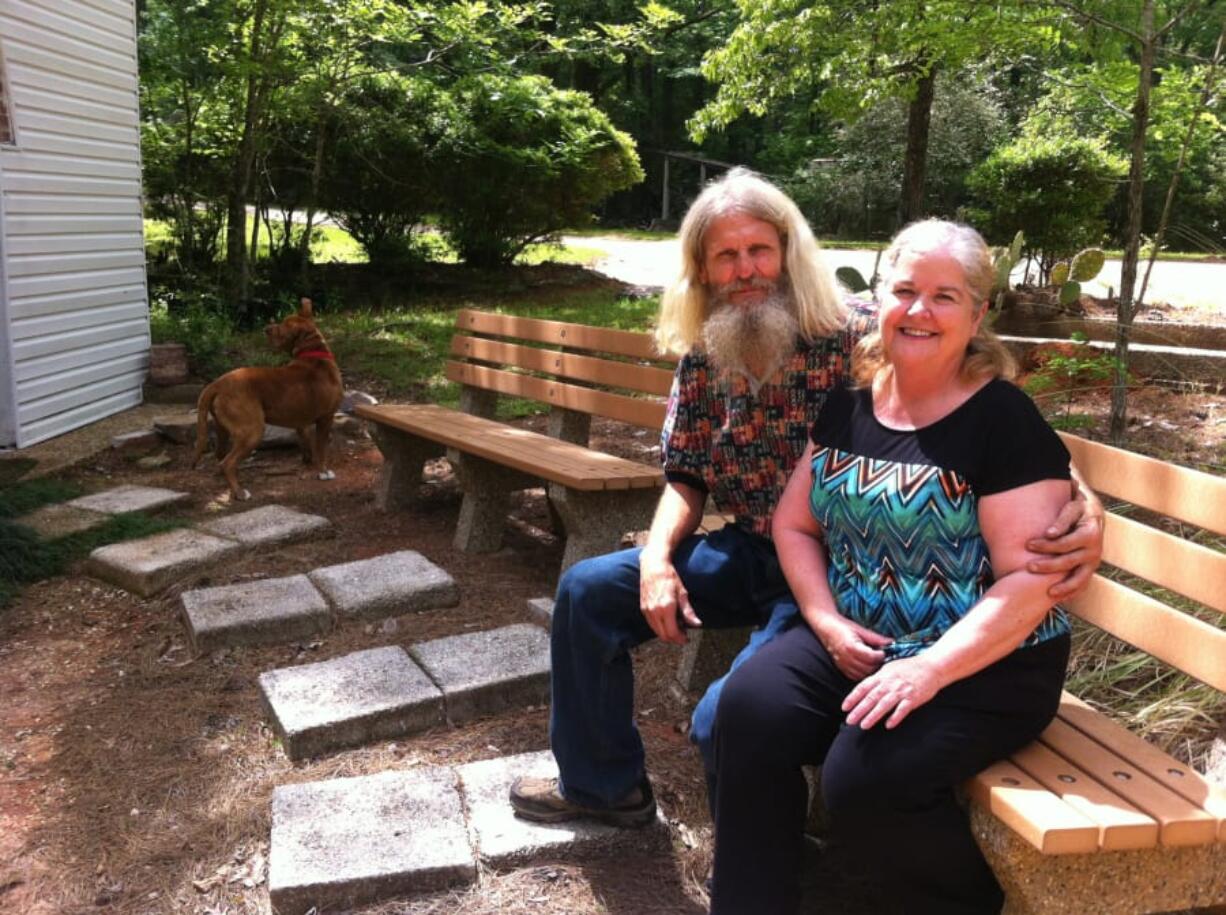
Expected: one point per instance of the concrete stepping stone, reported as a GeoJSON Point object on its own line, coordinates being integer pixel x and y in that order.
{"type": "Point", "coordinates": [180, 428]}
{"type": "Point", "coordinates": [53, 521]}
{"type": "Point", "coordinates": [128, 499]}
{"type": "Point", "coordinates": [349, 701]}
{"type": "Point", "coordinates": [503, 840]}
{"type": "Point", "coordinates": [481, 673]}
{"type": "Point", "coordinates": [270, 525]}
{"type": "Point", "coordinates": [271, 611]}
{"type": "Point", "coordinates": [541, 610]}
{"type": "Point", "coordinates": [347, 842]}
{"type": "Point", "coordinates": [388, 585]}
{"type": "Point", "coordinates": [147, 565]}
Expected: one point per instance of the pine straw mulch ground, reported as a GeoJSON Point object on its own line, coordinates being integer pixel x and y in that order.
{"type": "Point", "coordinates": [135, 778]}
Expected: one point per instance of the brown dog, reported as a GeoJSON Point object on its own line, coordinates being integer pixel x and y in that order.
{"type": "Point", "coordinates": [302, 394]}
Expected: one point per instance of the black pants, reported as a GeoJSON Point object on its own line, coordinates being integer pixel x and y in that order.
{"type": "Point", "coordinates": [889, 794]}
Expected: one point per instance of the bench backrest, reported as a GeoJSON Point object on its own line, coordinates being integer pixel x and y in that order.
{"type": "Point", "coordinates": [599, 371]}
{"type": "Point", "coordinates": [1168, 560]}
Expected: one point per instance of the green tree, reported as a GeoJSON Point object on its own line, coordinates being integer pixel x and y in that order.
{"type": "Point", "coordinates": [849, 57]}
{"type": "Point", "coordinates": [383, 174]}
{"type": "Point", "coordinates": [1053, 189]}
{"type": "Point", "coordinates": [524, 161]}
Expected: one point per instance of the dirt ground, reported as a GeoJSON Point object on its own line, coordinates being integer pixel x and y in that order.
{"type": "Point", "coordinates": [136, 778]}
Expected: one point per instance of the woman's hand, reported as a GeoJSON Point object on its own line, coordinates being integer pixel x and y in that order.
{"type": "Point", "coordinates": [897, 689]}
{"type": "Point", "coordinates": [663, 598]}
{"type": "Point", "coordinates": [856, 650]}
{"type": "Point", "coordinates": [1072, 543]}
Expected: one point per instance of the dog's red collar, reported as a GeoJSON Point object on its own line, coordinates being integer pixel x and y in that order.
{"type": "Point", "coordinates": [314, 354]}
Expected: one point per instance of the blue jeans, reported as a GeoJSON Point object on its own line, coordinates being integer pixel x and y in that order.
{"type": "Point", "coordinates": [733, 579]}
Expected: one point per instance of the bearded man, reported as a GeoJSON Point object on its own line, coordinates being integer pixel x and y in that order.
{"type": "Point", "coordinates": [764, 334]}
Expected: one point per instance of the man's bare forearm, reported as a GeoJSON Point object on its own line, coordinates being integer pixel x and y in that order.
{"type": "Point", "coordinates": [678, 515]}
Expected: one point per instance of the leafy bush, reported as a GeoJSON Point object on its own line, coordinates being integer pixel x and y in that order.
{"type": "Point", "coordinates": [197, 321]}
{"type": "Point", "coordinates": [525, 160]}
{"type": "Point", "coordinates": [381, 176]}
{"type": "Point", "coordinates": [1052, 189]}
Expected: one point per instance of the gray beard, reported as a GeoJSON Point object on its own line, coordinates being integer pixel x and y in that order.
{"type": "Point", "coordinates": [763, 335]}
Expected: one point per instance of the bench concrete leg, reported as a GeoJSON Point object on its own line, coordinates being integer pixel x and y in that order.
{"type": "Point", "coordinates": [404, 456]}
{"type": "Point", "coordinates": [708, 654]}
{"type": "Point", "coordinates": [568, 426]}
{"type": "Point", "coordinates": [596, 521]}
{"type": "Point", "coordinates": [483, 513]}
{"type": "Point", "coordinates": [1161, 879]}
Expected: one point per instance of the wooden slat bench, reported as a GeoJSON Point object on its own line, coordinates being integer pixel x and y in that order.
{"type": "Point", "coordinates": [1092, 818]}
{"type": "Point", "coordinates": [580, 372]}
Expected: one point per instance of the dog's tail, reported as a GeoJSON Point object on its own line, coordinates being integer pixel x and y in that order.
{"type": "Point", "coordinates": [203, 406]}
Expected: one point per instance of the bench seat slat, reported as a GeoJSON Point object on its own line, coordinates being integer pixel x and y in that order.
{"type": "Point", "coordinates": [1165, 769]}
{"type": "Point", "coordinates": [1033, 812]}
{"type": "Point", "coordinates": [1121, 825]}
{"type": "Point", "coordinates": [1180, 640]}
{"type": "Point", "coordinates": [1181, 822]}
{"type": "Point", "coordinates": [648, 414]}
{"type": "Point", "coordinates": [1189, 495]}
{"type": "Point", "coordinates": [521, 449]}
{"type": "Point", "coordinates": [1181, 566]}
{"type": "Point", "coordinates": [645, 378]}
{"type": "Point", "coordinates": [634, 344]}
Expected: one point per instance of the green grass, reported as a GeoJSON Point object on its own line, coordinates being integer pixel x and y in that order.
{"type": "Point", "coordinates": [23, 498]}
{"type": "Point", "coordinates": [402, 349]}
{"type": "Point", "coordinates": [24, 558]}
{"type": "Point", "coordinates": [333, 245]}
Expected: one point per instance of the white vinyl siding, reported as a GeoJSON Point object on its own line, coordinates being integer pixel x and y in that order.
{"type": "Point", "coordinates": [73, 297]}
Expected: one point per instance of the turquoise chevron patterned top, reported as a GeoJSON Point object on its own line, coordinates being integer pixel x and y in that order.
{"type": "Point", "coordinates": [899, 509]}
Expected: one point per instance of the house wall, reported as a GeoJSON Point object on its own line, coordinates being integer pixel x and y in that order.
{"type": "Point", "coordinates": [75, 300]}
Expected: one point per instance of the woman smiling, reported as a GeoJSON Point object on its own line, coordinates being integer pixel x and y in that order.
{"type": "Point", "coordinates": [929, 651]}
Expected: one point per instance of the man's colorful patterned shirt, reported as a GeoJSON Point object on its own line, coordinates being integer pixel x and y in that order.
{"type": "Point", "coordinates": [740, 446]}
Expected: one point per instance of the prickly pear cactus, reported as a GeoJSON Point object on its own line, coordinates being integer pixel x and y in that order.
{"type": "Point", "coordinates": [1087, 265]}
{"type": "Point", "coordinates": [1070, 292]}
{"type": "Point", "coordinates": [1015, 249]}
{"type": "Point", "coordinates": [851, 278]}
{"type": "Point", "coordinates": [1059, 273]}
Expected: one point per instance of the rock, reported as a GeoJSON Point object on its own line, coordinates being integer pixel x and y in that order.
{"type": "Point", "coordinates": [353, 398]}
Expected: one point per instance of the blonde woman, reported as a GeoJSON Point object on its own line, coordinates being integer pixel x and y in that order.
{"type": "Point", "coordinates": [927, 648]}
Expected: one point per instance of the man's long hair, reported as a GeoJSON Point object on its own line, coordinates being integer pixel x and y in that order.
{"type": "Point", "coordinates": [686, 303]}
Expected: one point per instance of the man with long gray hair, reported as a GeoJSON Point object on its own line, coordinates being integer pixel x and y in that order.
{"type": "Point", "coordinates": [764, 333]}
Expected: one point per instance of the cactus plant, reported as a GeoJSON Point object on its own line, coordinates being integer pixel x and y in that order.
{"type": "Point", "coordinates": [852, 279]}
{"type": "Point", "coordinates": [1004, 260]}
{"type": "Point", "coordinates": [1069, 275]}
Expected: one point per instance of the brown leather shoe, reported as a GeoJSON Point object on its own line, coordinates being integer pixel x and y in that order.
{"type": "Point", "coordinates": [540, 800]}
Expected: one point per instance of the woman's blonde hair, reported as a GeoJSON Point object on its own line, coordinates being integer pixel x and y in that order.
{"type": "Point", "coordinates": [986, 355]}
{"type": "Point", "coordinates": [686, 303]}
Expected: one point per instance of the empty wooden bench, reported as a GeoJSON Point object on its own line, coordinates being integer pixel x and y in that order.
{"type": "Point", "coordinates": [1092, 818]}
{"type": "Point", "coordinates": [580, 372]}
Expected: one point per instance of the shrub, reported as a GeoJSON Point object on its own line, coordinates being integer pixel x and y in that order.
{"type": "Point", "coordinates": [381, 176]}
{"type": "Point", "coordinates": [524, 160]}
{"type": "Point", "coordinates": [1052, 189]}
{"type": "Point", "coordinates": [197, 321]}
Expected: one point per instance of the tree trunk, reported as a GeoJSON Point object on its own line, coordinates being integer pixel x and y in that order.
{"type": "Point", "coordinates": [240, 173]}
{"type": "Point", "coordinates": [1193, 122]}
{"type": "Point", "coordinates": [1132, 236]}
{"type": "Point", "coordinates": [915, 159]}
{"type": "Point", "coordinates": [317, 173]}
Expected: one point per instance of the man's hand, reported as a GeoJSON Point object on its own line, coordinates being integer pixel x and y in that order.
{"type": "Point", "coordinates": [897, 690]}
{"type": "Point", "coordinates": [1074, 544]}
{"type": "Point", "coordinates": [856, 650]}
{"type": "Point", "coordinates": [663, 598]}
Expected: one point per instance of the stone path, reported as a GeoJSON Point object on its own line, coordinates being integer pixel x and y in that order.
{"type": "Point", "coordinates": [275, 611]}
{"type": "Point", "coordinates": [351, 841]}
{"type": "Point", "coordinates": [88, 512]}
{"type": "Point", "coordinates": [148, 565]}
{"type": "Point", "coordinates": [385, 692]}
